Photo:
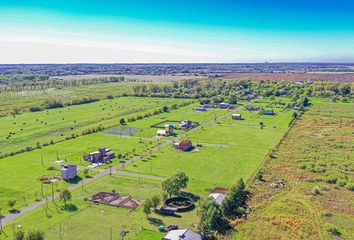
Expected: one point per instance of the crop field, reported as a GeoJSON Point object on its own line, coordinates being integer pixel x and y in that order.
{"type": "Point", "coordinates": [29, 130]}
{"type": "Point", "coordinates": [316, 162]}
{"type": "Point", "coordinates": [97, 221]}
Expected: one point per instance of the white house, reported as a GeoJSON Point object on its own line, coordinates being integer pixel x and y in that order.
{"type": "Point", "coordinates": [218, 197]}
{"type": "Point", "coordinates": [182, 234]}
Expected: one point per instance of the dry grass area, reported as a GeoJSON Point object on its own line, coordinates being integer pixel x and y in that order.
{"type": "Point", "coordinates": [294, 77]}
{"type": "Point", "coordinates": [316, 163]}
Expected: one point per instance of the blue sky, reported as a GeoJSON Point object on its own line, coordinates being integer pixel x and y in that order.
{"type": "Point", "coordinates": [40, 31]}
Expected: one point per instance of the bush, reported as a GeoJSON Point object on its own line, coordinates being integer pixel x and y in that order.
{"type": "Point", "coordinates": [35, 109]}
{"type": "Point", "coordinates": [350, 186]}
{"type": "Point", "coordinates": [334, 231]}
{"type": "Point", "coordinates": [316, 190]}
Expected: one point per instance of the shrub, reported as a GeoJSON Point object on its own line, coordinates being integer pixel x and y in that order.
{"type": "Point", "coordinates": [35, 109]}
{"type": "Point", "coordinates": [316, 190]}
{"type": "Point", "coordinates": [334, 231]}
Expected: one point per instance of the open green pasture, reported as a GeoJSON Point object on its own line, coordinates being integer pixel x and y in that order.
{"type": "Point", "coordinates": [39, 98]}
{"type": "Point", "coordinates": [20, 173]}
{"type": "Point", "coordinates": [228, 153]}
{"type": "Point", "coordinates": [93, 221]}
{"type": "Point", "coordinates": [185, 113]}
{"type": "Point", "coordinates": [28, 129]}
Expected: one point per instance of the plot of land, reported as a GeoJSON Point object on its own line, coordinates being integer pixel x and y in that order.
{"type": "Point", "coordinates": [28, 129]}
{"type": "Point", "coordinates": [317, 154]}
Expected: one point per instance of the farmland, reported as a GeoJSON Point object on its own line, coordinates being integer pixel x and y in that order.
{"type": "Point", "coordinates": [260, 149]}
{"type": "Point", "coordinates": [230, 149]}
{"type": "Point", "coordinates": [29, 130]}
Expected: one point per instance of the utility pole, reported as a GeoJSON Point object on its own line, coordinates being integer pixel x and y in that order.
{"type": "Point", "coordinates": [42, 189]}
{"type": "Point", "coordinates": [60, 231]}
{"type": "Point", "coordinates": [42, 160]}
{"type": "Point", "coordinates": [46, 206]}
{"type": "Point", "coordinates": [52, 192]}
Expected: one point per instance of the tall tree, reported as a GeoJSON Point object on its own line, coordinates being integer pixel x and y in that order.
{"type": "Point", "coordinates": [235, 200]}
{"type": "Point", "coordinates": [211, 219]}
{"type": "Point", "coordinates": [65, 196]}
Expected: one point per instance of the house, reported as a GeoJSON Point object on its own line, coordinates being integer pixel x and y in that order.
{"type": "Point", "coordinates": [208, 105]}
{"type": "Point", "coordinates": [170, 128]}
{"type": "Point", "coordinates": [184, 145]}
{"type": "Point", "coordinates": [182, 234]}
{"type": "Point", "coordinates": [252, 108]}
{"type": "Point", "coordinates": [68, 172]}
{"type": "Point", "coordinates": [199, 109]}
{"type": "Point", "coordinates": [185, 124]}
{"type": "Point", "coordinates": [268, 112]}
{"type": "Point", "coordinates": [219, 194]}
{"type": "Point", "coordinates": [103, 155]}
{"type": "Point", "coordinates": [218, 197]}
{"type": "Point", "coordinates": [226, 106]}
{"type": "Point", "coordinates": [162, 133]}
{"type": "Point", "coordinates": [236, 116]}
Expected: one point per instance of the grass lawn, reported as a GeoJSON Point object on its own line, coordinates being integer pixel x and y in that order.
{"type": "Point", "coordinates": [95, 221]}
{"type": "Point", "coordinates": [20, 173]}
{"type": "Point", "coordinates": [229, 152]}
{"type": "Point", "coordinates": [28, 129]}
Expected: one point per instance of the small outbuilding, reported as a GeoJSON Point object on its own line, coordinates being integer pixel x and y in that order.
{"type": "Point", "coordinates": [252, 108]}
{"type": "Point", "coordinates": [184, 145]}
{"type": "Point", "coordinates": [268, 112]}
{"type": "Point", "coordinates": [185, 124]}
{"type": "Point", "coordinates": [236, 116]}
{"type": "Point", "coordinates": [226, 106]}
{"type": "Point", "coordinates": [68, 172]}
{"type": "Point", "coordinates": [182, 234]}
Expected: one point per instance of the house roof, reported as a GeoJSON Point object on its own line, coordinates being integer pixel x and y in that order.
{"type": "Point", "coordinates": [182, 234]}
{"type": "Point", "coordinates": [220, 190]}
{"type": "Point", "coordinates": [218, 197]}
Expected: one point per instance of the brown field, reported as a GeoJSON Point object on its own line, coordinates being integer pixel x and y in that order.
{"type": "Point", "coordinates": [293, 77]}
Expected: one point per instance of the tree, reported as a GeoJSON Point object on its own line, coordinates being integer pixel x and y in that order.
{"type": "Point", "coordinates": [155, 201]}
{"type": "Point", "coordinates": [11, 203]}
{"type": "Point", "coordinates": [136, 89]}
{"type": "Point", "coordinates": [235, 200]}
{"type": "Point", "coordinates": [175, 183]}
{"type": "Point", "coordinates": [345, 89]}
{"type": "Point", "coordinates": [147, 207]}
{"type": "Point", "coordinates": [122, 121]}
{"type": "Point", "coordinates": [19, 235]}
{"type": "Point", "coordinates": [65, 196]}
{"type": "Point", "coordinates": [233, 99]}
{"type": "Point", "coordinates": [211, 219]}
{"type": "Point", "coordinates": [35, 235]}
{"type": "Point", "coordinates": [0, 220]}
{"type": "Point", "coordinates": [165, 108]}
{"type": "Point", "coordinates": [86, 172]}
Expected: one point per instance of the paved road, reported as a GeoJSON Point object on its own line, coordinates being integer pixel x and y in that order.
{"type": "Point", "coordinates": [103, 173]}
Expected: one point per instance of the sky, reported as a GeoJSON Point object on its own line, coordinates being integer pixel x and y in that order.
{"type": "Point", "coordinates": [166, 31]}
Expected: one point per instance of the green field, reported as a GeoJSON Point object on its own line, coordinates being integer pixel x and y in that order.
{"type": "Point", "coordinates": [230, 150]}
{"type": "Point", "coordinates": [95, 221]}
{"type": "Point", "coordinates": [28, 129]}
